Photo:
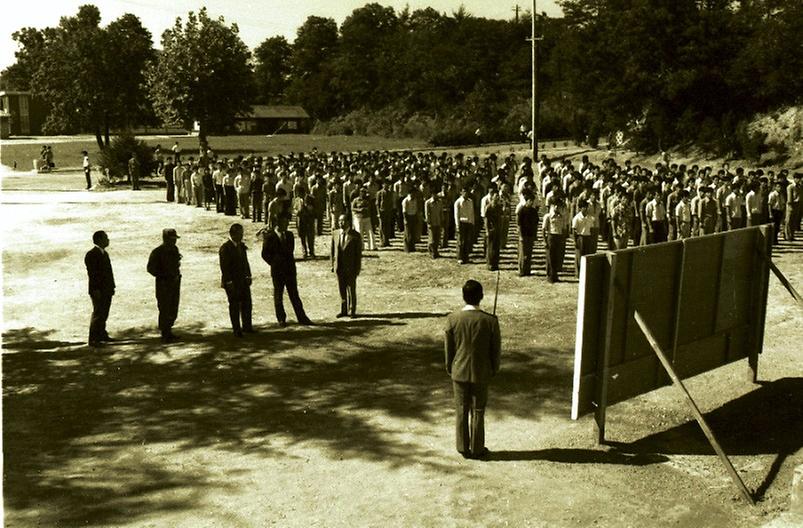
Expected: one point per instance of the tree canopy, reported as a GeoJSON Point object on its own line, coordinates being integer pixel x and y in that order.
{"type": "Point", "coordinates": [202, 74]}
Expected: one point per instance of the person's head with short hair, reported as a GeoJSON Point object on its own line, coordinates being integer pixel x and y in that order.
{"type": "Point", "coordinates": [236, 232]}
{"type": "Point", "coordinates": [100, 239]}
{"type": "Point", "coordinates": [472, 292]}
{"type": "Point", "coordinates": [343, 222]}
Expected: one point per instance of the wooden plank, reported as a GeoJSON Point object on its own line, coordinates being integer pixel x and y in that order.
{"type": "Point", "coordinates": [733, 306]}
{"type": "Point", "coordinates": [761, 279]}
{"type": "Point", "coordinates": [701, 355]}
{"type": "Point", "coordinates": [603, 365]}
{"type": "Point", "coordinates": [709, 434]}
{"type": "Point", "coordinates": [587, 339]}
{"type": "Point", "coordinates": [699, 288]}
{"type": "Point", "coordinates": [786, 284]}
{"type": "Point", "coordinates": [618, 295]}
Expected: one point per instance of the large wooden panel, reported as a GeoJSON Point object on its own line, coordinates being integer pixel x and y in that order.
{"type": "Point", "coordinates": [707, 294]}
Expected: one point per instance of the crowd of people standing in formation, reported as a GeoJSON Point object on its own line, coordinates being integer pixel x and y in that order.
{"type": "Point", "coordinates": [460, 198]}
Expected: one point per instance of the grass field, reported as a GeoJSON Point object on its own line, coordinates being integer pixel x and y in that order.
{"type": "Point", "coordinates": [67, 151]}
{"type": "Point", "coordinates": [349, 422]}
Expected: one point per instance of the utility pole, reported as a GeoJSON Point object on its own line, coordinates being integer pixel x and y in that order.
{"type": "Point", "coordinates": [534, 125]}
{"type": "Point", "coordinates": [516, 9]}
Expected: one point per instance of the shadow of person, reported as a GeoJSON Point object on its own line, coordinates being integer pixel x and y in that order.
{"type": "Point", "coordinates": [580, 456]}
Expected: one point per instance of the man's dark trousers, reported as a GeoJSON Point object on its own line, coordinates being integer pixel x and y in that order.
{"type": "Point", "coordinates": [167, 297]}
{"type": "Point", "coordinates": [347, 284]}
{"type": "Point", "coordinates": [280, 282]}
{"type": "Point", "coordinates": [239, 306]}
{"type": "Point", "coordinates": [101, 303]}
{"type": "Point", "coordinates": [467, 396]}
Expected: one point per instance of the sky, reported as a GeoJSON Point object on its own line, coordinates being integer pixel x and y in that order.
{"type": "Point", "coordinates": [256, 19]}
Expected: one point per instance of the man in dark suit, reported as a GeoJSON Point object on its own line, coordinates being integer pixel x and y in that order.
{"type": "Point", "coordinates": [164, 263]}
{"type": "Point", "coordinates": [346, 261]}
{"type": "Point", "coordinates": [101, 287]}
{"type": "Point", "coordinates": [236, 279]}
{"type": "Point", "coordinates": [473, 352]}
{"type": "Point", "coordinates": [277, 251]}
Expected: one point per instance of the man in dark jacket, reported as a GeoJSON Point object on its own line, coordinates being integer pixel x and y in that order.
{"type": "Point", "coordinates": [236, 280]}
{"type": "Point", "coordinates": [346, 262]}
{"type": "Point", "coordinates": [101, 287]}
{"type": "Point", "coordinates": [473, 351]}
{"type": "Point", "coordinates": [164, 263]}
{"type": "Point", "coordinates": [277, 251]}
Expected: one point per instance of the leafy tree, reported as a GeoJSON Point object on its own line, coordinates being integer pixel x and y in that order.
{"type": "Point", "coordinates": [272, 69]}
{"type": "Point", "coordinates": [202, 74]}
{"type": "Point", "coordinates": [311, 85]}
{"type": "Point", "coordinates": [18, 76]}
{"type": "Point", "coordinates": [89, 76]}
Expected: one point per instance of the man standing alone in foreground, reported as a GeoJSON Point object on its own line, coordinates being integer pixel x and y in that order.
{"type": "Point", "coordinates": [164, 263]}
{"type": "Point", "coordinates": [101, 287]}
{"type": "Point", "coordinates": [236, 280]}
{"type": "Point", "coordinates": [473, 351]}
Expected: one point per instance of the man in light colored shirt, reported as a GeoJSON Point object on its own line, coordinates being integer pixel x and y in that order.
{"type": "Point", "coordinates": [752, 203]}
{"type": "Point", "coordinates": [683, 215]}
{"type": "Point", "coordinates": [656, 218]}
{"type": "Point", "coordinates": [582, 225]}
{"type": "Point", "coordinates": [464, 219]}
{"type": "Point", "coordinates": [734, 205]}
{"type": "Point", "coordinates": [433, 216]}
{"type": "Point", "coordinates": [555, 237]}
{"type": "Point", "coordinates": [776, 202]}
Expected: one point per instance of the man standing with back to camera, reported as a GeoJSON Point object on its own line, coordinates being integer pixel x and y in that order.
{"type": "Point", "coordinates": [473, 346]}
{"type": "Point", "coordinates": [164, 263]}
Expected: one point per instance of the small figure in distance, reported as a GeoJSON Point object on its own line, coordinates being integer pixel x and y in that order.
{"type": "Point", "coordinates": [87, 169]}
{"type": "Point", "coordinates": [164, 263]}
{"type": "Point", "coordinates": [101, 287]}
{"type": "Point", "coordinates": [346, 263]}
{"type": "Point", "coordinates": [277, 251]}
{"type": "Point", "coordinates": [473, 344]}
{"type": "Point", "coordinates": [236, 279]}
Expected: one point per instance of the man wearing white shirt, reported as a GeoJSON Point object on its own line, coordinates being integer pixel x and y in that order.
{"type": "Point", "coordinates": [683, 215]}
{"type": "Point", "coordinates": [464, 219]}
{"type": "Point", "coordinates": [734, 205]}
{"type": "Point", "coordinates": [582, 225]}
{"type": "Point", "coordinates": [656, 218]}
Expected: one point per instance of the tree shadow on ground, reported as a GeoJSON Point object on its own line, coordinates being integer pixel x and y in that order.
{"type": "Point", "coordinates": [768, 420]}
{"type": "Point", "coordinates": [33, 339]}
{"type": "Point", "coordinates": [346, 388]}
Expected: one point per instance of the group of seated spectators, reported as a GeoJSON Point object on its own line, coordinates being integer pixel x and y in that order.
{"type": "Point", "coordinates": [452, 197]}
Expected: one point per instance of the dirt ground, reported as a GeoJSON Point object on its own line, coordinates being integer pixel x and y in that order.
{"type": "Point", "coordinates": [348, 422]}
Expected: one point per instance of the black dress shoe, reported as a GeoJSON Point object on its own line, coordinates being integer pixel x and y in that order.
{"type": "Point", "coordinates": [341, 314]}
{"type": "Point", "coordinates": [249, 331]}
{"type": "Point", "coordinates": [485, 454]}
{"type": "Point", "coordinates": [95, 344]}
{"type": "Point", "coordinates": [282, 324]}
{"type": "Point", "coordinates": [238, 334]}
{"type": "Point", "coordinates": [107, 339]}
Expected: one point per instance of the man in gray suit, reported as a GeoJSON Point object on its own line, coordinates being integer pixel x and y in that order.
{"type": "Point", "coordinates": [473, 351]}
{"type": "Point", "coordinates": [346, 262]}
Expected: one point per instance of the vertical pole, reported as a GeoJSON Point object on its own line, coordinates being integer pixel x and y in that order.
{"type": "Point", "coordinates": [534, 123]}
{"type": "Point", "coordinates": [694, 409]}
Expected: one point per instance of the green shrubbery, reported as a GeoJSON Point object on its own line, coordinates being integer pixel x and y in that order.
{"type": "Point", "coordinates": [114, 158]}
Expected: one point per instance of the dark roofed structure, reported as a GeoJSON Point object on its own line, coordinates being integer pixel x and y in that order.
{"type": "Point", "coordinates": [274, 119]}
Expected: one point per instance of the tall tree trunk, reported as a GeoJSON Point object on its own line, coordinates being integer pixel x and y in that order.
{"type": "Point", "coordinates": [98, 138]}
{"type": "Point", "coordinates": [106, 131]}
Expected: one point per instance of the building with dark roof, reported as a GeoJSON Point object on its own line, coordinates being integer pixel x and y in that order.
{"type": "Point", "coordinates": [24, 113]}
{"type": "Point", "coordinates": [274, 119]}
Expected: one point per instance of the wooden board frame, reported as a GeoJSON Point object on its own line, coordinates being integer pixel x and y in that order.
{"type": "Point", "coordinates": [705, 299]}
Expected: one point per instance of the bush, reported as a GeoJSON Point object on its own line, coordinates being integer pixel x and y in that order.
{"type": "Point", "coordinates": [114, 158]}
{"type": "Point", "coordinates": [751, 144]}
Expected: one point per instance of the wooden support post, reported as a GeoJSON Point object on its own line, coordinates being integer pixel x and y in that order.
{"type": "Point", "coordinates": [602, 368]}
{"type": "Point", "coordinates": [695, 410]}
{"type": "Point", "coordinates": [786, 284]}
